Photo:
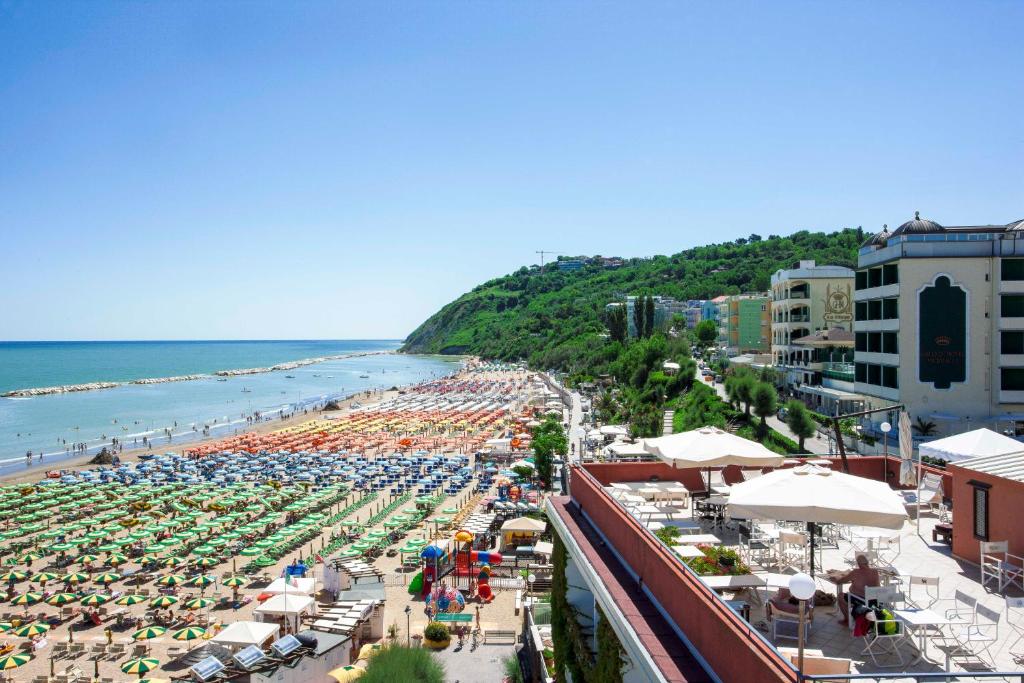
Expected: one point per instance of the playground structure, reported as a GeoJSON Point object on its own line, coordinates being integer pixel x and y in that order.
{"type": "Point", "coordinates": [470, 570]}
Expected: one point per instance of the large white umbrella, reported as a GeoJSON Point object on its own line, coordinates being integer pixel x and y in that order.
{"type": "Point", "coordinates": [710, 447]}
{"type": "Point", "coordinates": [971, 445]}
{"type": "Point", "coordinates": [907, 475]}
{"type": "Point", "coordinates": [613, 430]}
{"type": "Point", "coordinates": [817, 495]}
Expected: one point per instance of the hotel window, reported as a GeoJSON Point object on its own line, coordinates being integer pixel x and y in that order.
{"type": "Point", "coordinates": [860, 372]}
{"type": "Point", "coordinates": [980, 504]}
{"type": "Point", "coordinates": [861, 281]}
{"type": "Point", "coordinates": [889, 378]}
{"type": "Point", "coordinates": [890, 309]}
{"type": "Point", "coordinates": [890, 342]}
{"type": "Point", "coordinates": [875, 309]}
{"type": "Point", "coordinates": [890, 274]}
{"type": "Point", "coordinates": [861, 341]}
{"type": "Point", "coordinates": [1013, 269]}
{"type": "Point", "coordinates": [861, 310]}
{"type": "Point", "coordinates": [874, 374]}
{"type": "Point", "coordinates": [875, 277]}
{"type": "Point", "coordinates": [1011, 341]}
{"type": "Point", "coordinates": [1012, 306]}
{"type": "Point", "coordinates": [875, 342]}
{"type": "Point", "coordinates": [1011, 379]}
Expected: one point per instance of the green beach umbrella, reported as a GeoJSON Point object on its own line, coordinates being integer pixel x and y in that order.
{"type": "Point", "coordinates": [377, 533]}
{"type": "Point", "coordinates": [251, 551]}
{"type": "Point", "coordinates": [264, 561]}
{"type": "Point", "coordinates": [265, 543]}
{"type": "Point", "coordinates": [171, 580]}
{"type": "Point", "coordinates": [172, 561]}
{"type": "Point", "coordinates": [234, 581]}
{"type": "Point", "coordinates": [140, 665]}
{"type": "Point", "coordinates": [58, 599]}
{"type": "Point", "coordinates": [117, 558]}
{"type": "Point", "coordinates": [74, 577]}
{"type": "Point", "coordinates": [201, 581]}
{"type": "Point", "coordinates": [14, 661]}
{"type": "Point", "coordinates": [149, 633]}
{"type": "Point", "coordinates": [106, 577]}
{"type": "Point", "coordinates": [29, 558]}
{"type": "Point", "coordinates": [33, 629]}
{"type": "Point", "coordinates": [199, 603]}
{"type": "Point", "coordinates": [95, 599]}
{"type": "Point", "coordinates": [13, 575]}
{"type": "Point", "coordinates": [109, 547]}
{"type": "Point", "coordinates": [204, 550]}
{"type": "Point", "coordinates": [131, 599]}
{"type": "Point", "coordinates": [27, 599]}
{"type": "Point", "coordinates": [163, 601]}
{"type": "Point", "coordinates": [350, 552]}
{"type": "Point", "coordinates": [206, 562]}
{"type": "Point", "coordinates": [189, 633]}
{"type": "Point", "coordinates": [61, 547]}
{"type": "Point", "coordinates": [5, 626]}
{"type": "Point", "coordinates": [84, 559]}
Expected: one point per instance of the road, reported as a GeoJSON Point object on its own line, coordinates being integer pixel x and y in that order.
{"type": "Point", "coordinates": [816, 444]}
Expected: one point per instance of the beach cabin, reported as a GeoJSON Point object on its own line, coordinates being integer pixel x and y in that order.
{"type": "Point", "coordinates": [521, 531]}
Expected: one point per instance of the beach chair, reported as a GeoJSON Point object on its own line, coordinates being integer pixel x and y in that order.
{"type": "Point", "coordinates": [793, 550]}
{"type": "Point", "coordinates": [1000, 567]}
{"type": "Point", "coordinates": [930, 586]}
{"type": "Point", "coordinates": [978, 638]}
{"type": "Point", "coordinates": [98, 650]}
{"type": "Point", "coordinates": [76, 650]}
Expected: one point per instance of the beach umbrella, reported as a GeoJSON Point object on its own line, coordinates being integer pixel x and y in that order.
{"type": "Point", "coordinates": [58, 599]}
{"type": "Point", "coordinates": [140, 665]}
{"type": "Point", "coordinates": [27, 599]}
{"type": "Point", "coordinates": [87, 559]}
{"type": "Point", "coordinates": [204, 550]}
{"type": "Point", "coordinates": [234, 581]}
{"type": "Point", "coordinates": [206, 562]}
{"type": "Point", "coordinates": [149, 633]}
{"type": "Point", "coordinates": [251, 552]}
{"type": "Point", "coordinates": [131, 599]}
{"type": "Point", "coordinates": [61, 547]}
{"type": "Point", "coordinates": [189, 633]}
{"type": "Point", "coordinates": [13, 576]}
{"type": "Point", "coordinates": [817, 495]}
{"type": "Point", "coordinates": [14, 661]}
{"type": "Point", "coordinates": [106, 577]}
{"type": "Point", "coordinates": [171, 580]}
{"type": "Point", "coordinates": [172, 561]}
{"type": "Point", "coordinates": [163, 601]}
{"type": "Point", "coordinates": [29, 558]}
{"type": "Point", "coordinates": [201, 581]}
{"type": "Point", "coordinates": [199, 603]}
{"type": "Point", "coordinates": [5, 626]}
{"type": "Point", "coordinates": [95, 599]}
{"type": "Point", "coordinates": [74, 577]}
{"type": "Point", "coordinates": [33, 629]}
{"type": "Point", "coordinates": [117, 558]}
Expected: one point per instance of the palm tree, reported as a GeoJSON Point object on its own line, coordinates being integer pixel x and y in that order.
{"type": "Point", "coordinates": [923, 427]}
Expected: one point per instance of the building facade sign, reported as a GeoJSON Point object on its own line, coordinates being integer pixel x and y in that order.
{"type": "Point", "coordinates": [838, 304]}
{"type": "Point", "coordinates": [942, 351]}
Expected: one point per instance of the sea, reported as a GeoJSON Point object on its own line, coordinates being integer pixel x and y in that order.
{"type": "Point", "coordinates": [51, 424]}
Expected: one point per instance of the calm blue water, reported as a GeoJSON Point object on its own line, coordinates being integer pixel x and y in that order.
{"type": "Point", "coordinates": [43, 423]}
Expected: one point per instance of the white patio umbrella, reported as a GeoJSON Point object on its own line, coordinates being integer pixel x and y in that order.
{"type": "Point", "coordinates": [817, 495]}
{"type": "Point", "coordinates": [710, 447]}
{"type": "Point", "coordinates": [613, 430]}
{"type": "Point", "coordinates": [907, 475]}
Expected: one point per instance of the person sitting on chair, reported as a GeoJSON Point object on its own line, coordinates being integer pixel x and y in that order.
{"type": "Point", "coordinates": [860, 577]}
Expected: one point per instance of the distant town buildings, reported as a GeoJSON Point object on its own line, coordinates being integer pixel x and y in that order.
{"type": "Point", "coordinates": [744, 324]}
{"type": "Point", "coordinates": [665, 308]}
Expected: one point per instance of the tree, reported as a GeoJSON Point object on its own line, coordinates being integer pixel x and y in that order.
{"type": "Point", "coordinates": [617, 328]}
{"type": "Point", "coordinates": [765, 403]}
{"type": "Point", "coordinates": [649, 316]}
{"type": "Point", "coordinates": [707, 332]}
{"type": "Point", "coordinates": [924, 427]}
{"type": "Point", "coordinates": [744, 391]}
{"type": "Point", "coordinates": [548, 440]}
{"type": "Point", "coordinates": [638, 317]}
{"type": "Point", "coordinates": [799, 421]}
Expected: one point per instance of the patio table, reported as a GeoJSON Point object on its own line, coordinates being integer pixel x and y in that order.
{"type": "Point", "coordinates": [919, 621]}
{"type": "Point", "coordinates": [698, 539]}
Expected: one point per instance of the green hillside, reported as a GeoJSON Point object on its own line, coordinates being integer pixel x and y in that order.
{"type": "Point", "coordinates": [556, 320]}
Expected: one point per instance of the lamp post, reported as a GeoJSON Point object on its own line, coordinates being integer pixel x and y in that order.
{"type": "Point", "coordinates": [886, 428]}
{"type": "Point", "coordinates": [801, 587]}
{"type": "Point", "coordinates": [408, 635]}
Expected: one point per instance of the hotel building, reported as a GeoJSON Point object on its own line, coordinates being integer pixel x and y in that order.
{"type": "Point", "coordinates": [744, 324]}
{"type": "Point", "coordinates": [939, 324]}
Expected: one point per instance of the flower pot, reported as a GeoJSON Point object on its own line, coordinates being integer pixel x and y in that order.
{"type": "Point", "coordinates": [436, 644]}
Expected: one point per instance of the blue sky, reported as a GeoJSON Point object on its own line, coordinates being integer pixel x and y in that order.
{"type": "Point", "coordinates": [341, 169]}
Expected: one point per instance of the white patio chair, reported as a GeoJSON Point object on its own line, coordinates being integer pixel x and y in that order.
{"type": "Point", "coordinates": [999, 566]}
{"type": "Point", "coordinates": [887, 548]}
{"type": "Point", "coordinates": [976, 639]}
{"type": "Point", "coordinates": [930, 586]}
{"type": "Point", "coordinates": [1015, 620]}
{"type": "Point", "coordinates": [793, 550]}
{"type": "Point", "coordinates": [886, 636]}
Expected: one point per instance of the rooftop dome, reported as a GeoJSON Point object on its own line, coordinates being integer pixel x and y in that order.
{"type": "Point", "coordinates": [918, 226]}
{"type": "Point", "coordinates": [878, 239]}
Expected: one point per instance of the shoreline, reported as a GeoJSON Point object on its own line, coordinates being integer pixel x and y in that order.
{"type": "Point", "coordinates": [37, 470]}
{"type": "Point", "coordinates": [96, 386]}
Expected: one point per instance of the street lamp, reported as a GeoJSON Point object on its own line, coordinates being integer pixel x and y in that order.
{"type": "Point", "coordinates": [801, 587]}
{"type": "Point", "coordinates": [886, 428]}
{"type": "Point", "coordinates": [408, 635]}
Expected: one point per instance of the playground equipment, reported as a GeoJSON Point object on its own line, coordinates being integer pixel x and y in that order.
{"type": "Point", "coordinates": [445, 599]}
{"type": "Point", "coordinates": [483, 589]}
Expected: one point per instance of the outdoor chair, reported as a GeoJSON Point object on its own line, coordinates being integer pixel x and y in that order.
{"type": "Point", "coordinates": [885, 636]}
{"type": "Point", "coordinates": [1015, 620]}
{"type": "Point", "coordinates": [76, 650]}
{"type": "Point", "coordinates": [757, 546]}
{"type": "Point", "coordinates": [961, 613]}
{"type": "Point", "coordinates": [98, 650]}
{"type": "Point", "coordinates": [930, 586]}
{"type": "Point", "coordinates": [976, 639]}
{"type": "Point", "coordinates": [793, 550]}
{"type": "Point", "coordinates": [1000, 567]}
{"type": "Point", "coordinates": [60, 650]}
{"type": "Point", "coordinates": [887, 549]}
{"type": "Point", "coordinates": [786, 624]}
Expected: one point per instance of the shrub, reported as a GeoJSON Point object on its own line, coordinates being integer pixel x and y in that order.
{"type": "Point", "coordinates": [400, 663]}
{"type": "Point", "coordinates": [437, 631]}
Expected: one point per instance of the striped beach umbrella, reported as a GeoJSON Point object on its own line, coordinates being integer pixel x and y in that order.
{"type": "Point", "coordinates": [163, 601]}
{"type": "Point", "coordinates": [172, 561]}
{"type": "Point", "coordinates": [234, 581]}
{"type": "Point", "coordinates": [29, 558]}
{"type": "Point", "coordinates": [251, 551]}
{"type": "Point", "coordinates": [33, 629]}
{"type": "Point", "coordinates": [58, 599]}
{"type": "Point", "coordinates": [14, 661]}
{"type": "Point", "coordinates": [140, 665]}
{"type": "Point", "coordinates": [149, 632]}
{"type": "Point", "coordinates": [87, 558]}
{"type": "Point", "coordinates": [171, 580]}
{"type": "Point", "coordinates": [96, 599]}
{"type": "Point", "coordinates": [131, 599]}
{"type": "Point", "coordinates": [117, 558]}
{"type": "Point", "coordinates": [106, 577]}
{"type": "Point", "coordinates": [13, 576]}
{"type": "Point", "coordinates": [43, 577]}
{"type": "Point", "coordinates": [74, 577]}
{"type": "Point", "coordinates": [201, 581]}
{"type": "Point", "coordinates": [189, 633]}
{"type": "Point", "coordinates": [27, 599]}
{"type": "Point", "coordinates": [199, 603]}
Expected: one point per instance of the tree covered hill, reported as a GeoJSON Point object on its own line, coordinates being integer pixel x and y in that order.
{"type": "Point", "coordinates": [555, 319]}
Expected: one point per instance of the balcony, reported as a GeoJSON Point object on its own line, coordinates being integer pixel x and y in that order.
{"type": "Point", "coordinates": [840, 371]}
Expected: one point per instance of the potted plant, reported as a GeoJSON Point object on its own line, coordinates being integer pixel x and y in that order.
{"type": "Point", "coordinates": [436, 636]}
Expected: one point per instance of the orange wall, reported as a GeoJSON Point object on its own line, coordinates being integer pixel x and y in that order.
{"type": "Point", "coordinates": [723, 639]}
{"type": "Point", "coordinates": [1006, 503]}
